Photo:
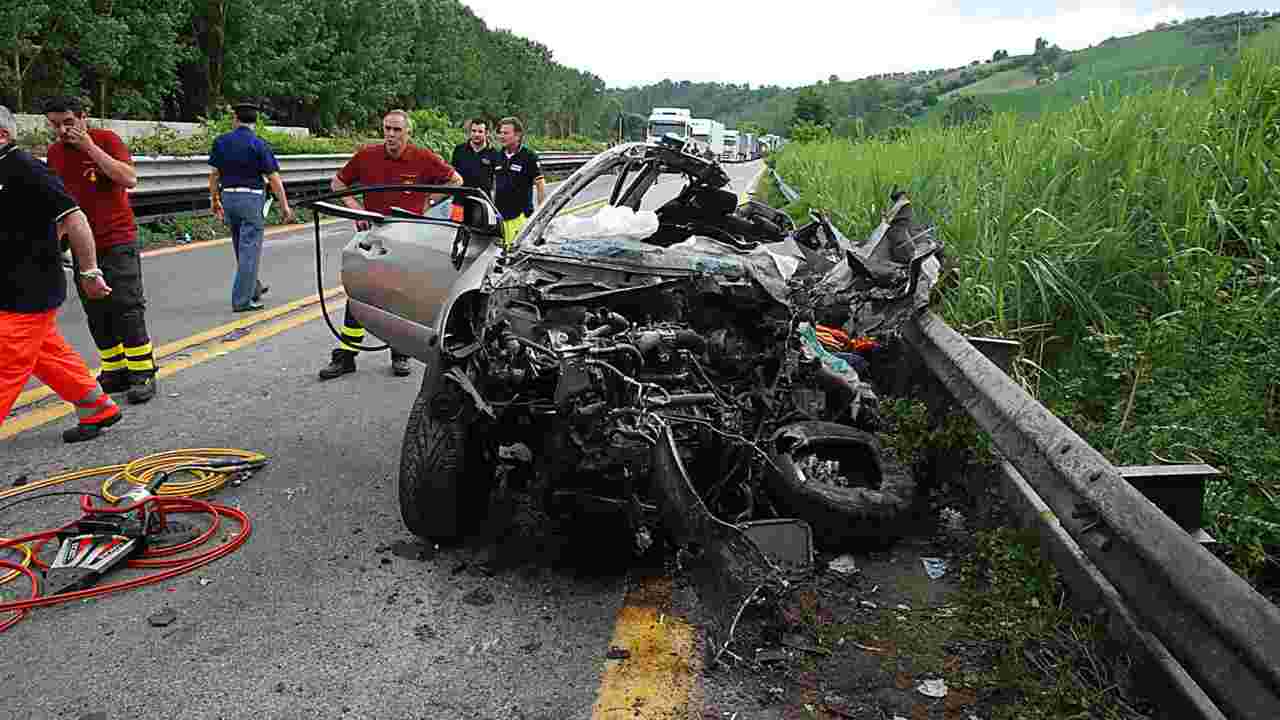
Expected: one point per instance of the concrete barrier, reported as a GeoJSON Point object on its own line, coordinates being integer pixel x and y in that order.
{"type": "Point", "coordinates": [131, 129]}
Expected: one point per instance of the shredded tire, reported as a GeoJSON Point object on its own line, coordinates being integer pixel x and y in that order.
{"type": "Point", "coordinates": [445, 478]}
{"type": "Point", "coordinates": [878, 504]}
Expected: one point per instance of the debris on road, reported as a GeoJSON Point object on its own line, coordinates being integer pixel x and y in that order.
{"type": "Point", "coordinates": [617, 653]}
{"type": "Point", "coordinates": [935, 567]}
{"type": "Point", "coordinates": [412, 550]}
{"type": "Point", "coordinates": [479, 596]}
{"type": "Point", "coordinates": [163, 618]}
{"type": "Point", "coordinates": [845, 565]}
{"type": "Point", "coordinates": [765, 655]}
{"type": "Point", "coordinates": [20, 481]}
{"type": "Point", "coordinates": [936, 688]}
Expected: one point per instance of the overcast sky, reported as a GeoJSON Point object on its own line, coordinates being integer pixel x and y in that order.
{"type": "Point", "coordinates": [800, 42]}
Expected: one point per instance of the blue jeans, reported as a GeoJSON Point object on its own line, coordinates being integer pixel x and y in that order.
{"type": "Point", "coordinates": [244, 215]}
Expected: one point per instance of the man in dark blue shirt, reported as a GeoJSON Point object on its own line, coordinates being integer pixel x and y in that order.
{"type": "Point", "coordinates": [239, 160]}
{"type": "Point", "coordinates": [515, 176]}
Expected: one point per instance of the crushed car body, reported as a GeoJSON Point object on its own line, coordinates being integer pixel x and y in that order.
{"type": "Point", "coordinates": [695, 370]}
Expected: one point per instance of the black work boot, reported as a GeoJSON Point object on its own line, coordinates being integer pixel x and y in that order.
{"type": "Point", "coordinates": [399, 365]}
{"type": "Point", "coordinates": [114, 381]}
{"type": "Point", "coordinates": [343, 362]}
{"type": "Point", "coordinates": [143, 387]}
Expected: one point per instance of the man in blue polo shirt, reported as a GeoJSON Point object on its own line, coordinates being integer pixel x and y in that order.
{"type": "Point", "coordinates": [239, 160]}
{"type": "Point", "coordinates": [515, 175]}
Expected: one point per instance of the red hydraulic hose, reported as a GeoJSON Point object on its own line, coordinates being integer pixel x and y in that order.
{"type": "Point", "coordinates": [172, 567]}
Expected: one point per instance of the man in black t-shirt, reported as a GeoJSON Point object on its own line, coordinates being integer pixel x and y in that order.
{"type": "Point", "coordinates": [35, 210]}
{"type": "Point", "coordinates": [515, 176]}
{"type": "Point", "coordinates": [474, 159]}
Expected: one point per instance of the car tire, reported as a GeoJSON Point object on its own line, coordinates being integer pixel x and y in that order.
{"type": "Point", "coordinates": [445, 474]}
{"type": "Point", "coordinates": [882, 509]}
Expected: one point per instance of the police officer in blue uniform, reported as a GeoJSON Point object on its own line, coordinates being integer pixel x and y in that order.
{"type": "Point", "coordinates": [240, 160]}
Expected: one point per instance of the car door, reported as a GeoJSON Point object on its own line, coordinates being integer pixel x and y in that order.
{"type": "Point", "coordinates": [398, 274]}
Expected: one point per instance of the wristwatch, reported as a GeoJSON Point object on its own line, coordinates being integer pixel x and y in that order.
{"type": "Point", "coordinates": [94, 273]}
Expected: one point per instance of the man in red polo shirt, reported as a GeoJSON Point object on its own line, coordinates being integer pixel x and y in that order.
{"type": "Point", "coordinates": [397, 161]}
{"type": "Point", "coordinates": [97, 169]}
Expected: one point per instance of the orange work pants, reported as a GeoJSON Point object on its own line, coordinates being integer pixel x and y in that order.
{"type": "Point", "coordinates": [31, 344]}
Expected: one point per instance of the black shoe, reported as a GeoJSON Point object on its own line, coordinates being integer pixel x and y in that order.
{"type": "Point", "coordinates": [143, 389]}
{"type": "Point", "coordinates": [89, 431]}
{"type": "Point", "coordinates": [262, 290]}
{"type": "Point", "coordinates": [113, 381]}
{"type": "Point", "coordinates": [251, 306]}
{"type": "Point", "coordinates": [343, 362]}
{"type": "Point", "coordinates": [400, 365]}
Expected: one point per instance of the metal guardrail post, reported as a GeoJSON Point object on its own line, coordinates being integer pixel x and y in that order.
{"type": "Point", "coordinates": [1225, 633]}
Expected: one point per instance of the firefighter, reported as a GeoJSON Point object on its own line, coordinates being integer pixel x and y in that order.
{"type": "Point", "coordinates": [396, 161]}
{"type": "Point", "coordinates": [35, 210]}
{"type": "Point", "coordinates": [96, 168]}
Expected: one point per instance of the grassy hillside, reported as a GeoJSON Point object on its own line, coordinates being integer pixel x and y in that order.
{"type": "Point", "coordinates": [1154, 58]}
{"type": "Point", "coordinates": [1131, 243]}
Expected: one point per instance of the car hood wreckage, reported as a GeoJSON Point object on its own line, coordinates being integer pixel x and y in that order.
{"type": "Point", "coordinates": [697, 371]}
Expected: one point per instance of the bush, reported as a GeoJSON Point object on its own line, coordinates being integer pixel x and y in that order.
{"type": "Point", "coordinates": [807, 132]}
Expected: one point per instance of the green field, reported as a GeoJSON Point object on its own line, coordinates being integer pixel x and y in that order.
{"type": "Point", "coordinates": [1001, 82]}
{"type": "Point", "coordinates": [1132, 244]}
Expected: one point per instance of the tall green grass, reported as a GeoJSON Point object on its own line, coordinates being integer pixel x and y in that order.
{"type": "Point", "coordinates": [1132, 244]}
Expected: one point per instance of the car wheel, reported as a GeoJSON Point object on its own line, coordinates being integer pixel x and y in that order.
{"type": "Point", "coordinates": [446, 475]}
{"type": "Point", "coordinates": [870, 498]}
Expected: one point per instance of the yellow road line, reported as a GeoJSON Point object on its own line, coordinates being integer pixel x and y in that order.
{"type": "Point", "coordinates": [41, 416]}
{"type": "Point", "coordinates": [42, 392]}
{"type": "Point", "coordinates": [277, 230]}
{"type": "Point", "coordinates": [658, 677]}
{"type": "Point", "coordinates": [584, 207]}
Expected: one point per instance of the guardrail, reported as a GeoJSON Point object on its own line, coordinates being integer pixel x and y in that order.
{"type": "Point", "coordinates": [787, 191]}
{"type": "Point", "coordinates": [1212, 641]}
{"type": "Point", "coordinates": [179, 186]}
{"type": "Point", "coordinates": [1215, 639]}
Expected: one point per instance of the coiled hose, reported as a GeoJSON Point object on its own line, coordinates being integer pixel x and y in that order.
{"type": "Point", "coordinates": [209, 469]}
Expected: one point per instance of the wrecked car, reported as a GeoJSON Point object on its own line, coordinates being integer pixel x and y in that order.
{"type": "Point", "coordinates": [693, 369]}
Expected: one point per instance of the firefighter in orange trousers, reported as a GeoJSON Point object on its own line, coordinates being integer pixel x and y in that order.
{"type": "Point", "coordinates": [35, 211]}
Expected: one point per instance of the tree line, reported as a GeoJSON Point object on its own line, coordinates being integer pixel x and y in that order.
{"type": "Point", "coordinates": [323, 64]}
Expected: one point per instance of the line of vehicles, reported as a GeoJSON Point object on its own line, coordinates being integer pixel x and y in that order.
{"type": "Point", "coordinates": [709, 138]}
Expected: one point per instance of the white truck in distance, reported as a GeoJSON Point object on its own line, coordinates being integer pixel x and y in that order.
{"type": "Point", "coordinates": [730, 152]}
{"type": "Point", "coordinates": [669, 121]}
{"type": "Point", "coordinates": [708, 135]}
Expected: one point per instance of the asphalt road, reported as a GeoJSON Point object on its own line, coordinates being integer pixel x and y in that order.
{"type": "Point", "coordinates": [316, 616]}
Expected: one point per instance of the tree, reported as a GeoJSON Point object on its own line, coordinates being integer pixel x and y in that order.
{"type": "Point", "coordinates": [21, 26]}
{"type": "Point", "coordinates": [1000, 55]}
{"type": "Point", "coordinates": [1041, 44]}
{"type": "Point", "coordinates": [810, 107]}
